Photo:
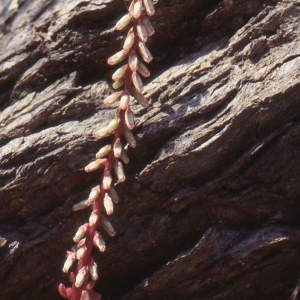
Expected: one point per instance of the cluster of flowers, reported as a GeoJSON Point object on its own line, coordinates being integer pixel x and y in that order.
{"type": "Point", "coordinates": [110, 156]}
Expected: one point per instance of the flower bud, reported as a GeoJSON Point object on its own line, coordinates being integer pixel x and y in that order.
{"type": "Point", "coordinates": [141, 30]}
{"type": "Point", "coordinates": [106, 183]}
{"type": "Point", "coordinates": [112, 98]}
{"type": "Point", "coordinates": [123, 22]}
{"type": "Point", "coordinates": [93, 269]}
{"type": "Point", "coordinates": [95, 165]}
{"type": "Point", "coordinates": [119, 171]}
{"type": "Point", "coordinates": [80, 278]}
{"type": "Point", "coordinates": [78, 245]}
{"type": "Point", "coordinates": [99, 241]}
{"type": "Point", "coordinates": [108, 205]}
{"type": "Point", "coordinates": [129, 41]}
{"type": "Point", "coordinates": [140, 99]}
{"type": "Point", "coordinates": [120, 73]}
{"type": "Point", "coordinates": [94, 217]}
{"type": "Point", "coordinates": [108, 227]}
{"type": "Point", "coordinates": [107, 130]}
{"type": "Point", "coordinates": [113, 124]}
{"type": "Point", "coordinates": [113, 193]}
{"type": "Point", "coordinates": [103, 132]}
{"type": "Point", "coordinates": [80, 232]}
{"type": "Point", "coordinates": [79, 206]}
{"type": "Point", "coordinates": [137, 9]}
{"type": "Point", "coordinates": [80, 253]}
{"type": "Point", "coordinates": [124, 101]}
{"type": "Point", "coordinates": [129, 118]}
{"type": "Point", "coordinates": [137, 82]}
{"type": "Point", "coordinates": [133, 61]}
{"type": "Point", "coordinates": [118, 83]}
{"type": "Point", "coordinates": [117, 148]}
{"type": "Point", "coordinates": [69, 262]}
{"type": "Point", "coordinates": [129, 138]}
{"type": "Point", "coordinates": [148, 26]}
{"type": "Point", "coordinates": [124, 157]}
{"type": "Point", "coordinates": [94, 194]}
{"type": "Point", "coordinates": [116, 58]}
{"type": "Point", "coordinates": [144, 51]}
{"type": "Point", "coordinates": [143, 70]}
{"type": "Point", "coordinates": [103, 151]}
{"type": "Point", "coordinates": [149, 7]}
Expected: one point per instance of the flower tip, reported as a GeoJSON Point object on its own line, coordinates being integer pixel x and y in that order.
{"type": "Point", "coordinates": [95, 165]}
{"type": "Point", "coordinates": [123, 22]}
{"type": "Point", "coordinates": [103, 132]}
{"type": "Point", "coordinates": [149, 7]}
{"type": "Point", "coordinates": [79, 206]}
{"type": "Point", "coordinates": [137, 9]}
{"type": "Point", "coordinates": [108, 204]}
{"type": "Point", "coordinates": [130, 138]}
{"type": "Point", "coordinates": [103, 151]}
{"type": "Point", "coordinates": [118, 84]}
{"type": "Point", "coordinates": [99, 242]}
{"type": "Point", "coordinates": [94, 217]}
{"type": "Point", "coordinates": [80, 278]}
{"type": "Point", "coordinates": [151, 12]}
{"type": "Point", "coordinates": [111, 99]}
{"type": "Point", "coordinates": [93, 269]}
{"type": "Point", "coordinates": [113, 193]}
{"type": "Point", "coordinates": [137, 82]}
{"type": "Point", "coordinates": [116, 58]}
{"type": "Point", "coordinates": [108, 227]}
{"type": "Point", "coordinates": [122, 179]}
{"type": "Point", "coordinates": [69, 262]}
{"type": "Point", "coordinates": [80, 233]}
{"type": "Point", "coordinates": [95, 277]}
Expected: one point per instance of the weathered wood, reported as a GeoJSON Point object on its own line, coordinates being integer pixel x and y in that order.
{"type": "Point", "coordinates": [210, 208]}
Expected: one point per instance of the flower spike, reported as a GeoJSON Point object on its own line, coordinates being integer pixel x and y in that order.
{"type": "Point", "coordinates": [111, 156]}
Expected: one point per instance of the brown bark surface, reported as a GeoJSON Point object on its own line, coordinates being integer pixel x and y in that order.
{"type": "Point", "coordinates": [210, 208]}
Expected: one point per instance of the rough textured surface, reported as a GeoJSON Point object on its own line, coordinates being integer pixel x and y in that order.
{"type": "Point", "coordinates": [210, 208]}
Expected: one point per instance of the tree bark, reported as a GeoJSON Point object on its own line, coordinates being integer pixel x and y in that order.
{"type": "Point", "coordinates": [210, 207]}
